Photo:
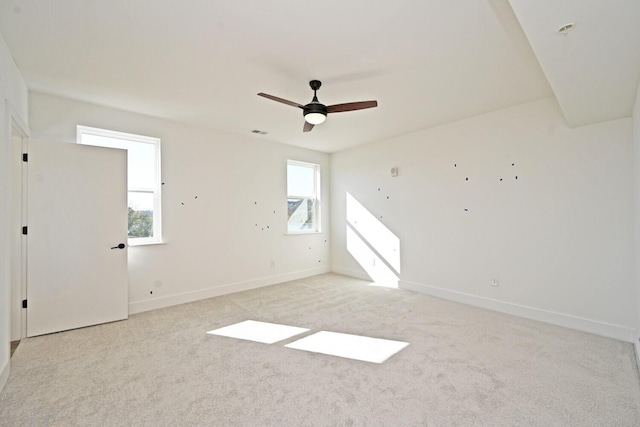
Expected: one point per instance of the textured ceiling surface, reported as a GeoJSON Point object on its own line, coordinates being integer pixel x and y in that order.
{"type": "Point", "coordinates": [202, 62]}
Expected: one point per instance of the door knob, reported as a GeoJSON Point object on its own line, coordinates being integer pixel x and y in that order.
{"type": "Point", "coordinates": [120, 246]}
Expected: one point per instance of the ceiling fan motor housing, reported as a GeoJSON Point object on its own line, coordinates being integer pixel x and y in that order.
{"type": "Point", "coordinates": [315, 107]}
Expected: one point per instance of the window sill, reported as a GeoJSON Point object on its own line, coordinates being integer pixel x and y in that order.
{"type": "Point", "coordinates": [136, 244]}
{"type": "Point", "coordinates": [297, 233]}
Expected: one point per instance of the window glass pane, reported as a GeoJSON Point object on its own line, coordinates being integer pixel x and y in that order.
{"type": "Point", "coordinates": [300, 180]}
{"type": "Point", "coordinates": [140, 214]}
{"type": "Point", "coordinates": [142, 165]}
{"type": "Point", "coordinates": [141, 158]}
{"type": "Point", "coordinates": [301, 214]}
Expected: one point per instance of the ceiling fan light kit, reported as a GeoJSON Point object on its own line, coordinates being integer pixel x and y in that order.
{"type": "Point", "coordinates": [314, 112]}
{"type": "Point", "coordinates": [315, 118]}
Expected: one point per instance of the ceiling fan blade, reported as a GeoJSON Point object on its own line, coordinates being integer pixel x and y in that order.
{"type": "Point", "coordinates": [284, 101]}
{"type": "Point", "coordinates": [307, 127]}
{"type": "Point", "coordinates": [351, 106]}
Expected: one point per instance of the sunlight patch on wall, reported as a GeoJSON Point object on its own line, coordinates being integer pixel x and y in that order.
{"type": "Point", "coordinates": [366, 349]}
{"type": "Point", "coordinates": [372, 264]}
{"type": "Point", "coordinates": [263, 332]}
{"type": "Point", "coordinates": [372, 244]}
{"type": "Point", "coordinates": [374, 232]}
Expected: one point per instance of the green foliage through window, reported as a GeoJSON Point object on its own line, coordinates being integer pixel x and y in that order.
{"type": "Point", "coordinates": [140, 223]}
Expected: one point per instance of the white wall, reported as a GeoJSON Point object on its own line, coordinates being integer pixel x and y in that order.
{"type": "Point", "coordinates": [13, 105]}
{"type": "Point", "coordinates": [226, 239]}
{"type": "Point", "coordinates": [558, 238]}
{"type": "Point", "coordinates": [636, 214]}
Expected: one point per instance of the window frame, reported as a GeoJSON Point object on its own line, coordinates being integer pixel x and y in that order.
{"type": "Point", "coordinates": [317, 210]}
{"type": "Point", "coordinates": [156, 238]}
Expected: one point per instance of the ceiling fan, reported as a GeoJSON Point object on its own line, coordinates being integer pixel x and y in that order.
{"type": "Point", "coordinates": [315, 112]}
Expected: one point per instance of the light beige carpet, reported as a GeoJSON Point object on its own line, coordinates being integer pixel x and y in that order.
{"type": "Point", "coordinates": [464, 367]}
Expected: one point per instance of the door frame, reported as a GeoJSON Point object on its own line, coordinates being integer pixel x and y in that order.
{"type": "Point", "coordinates": [18, 316]}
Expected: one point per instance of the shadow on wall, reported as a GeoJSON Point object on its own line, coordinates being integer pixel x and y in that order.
{"type": "Point", "coordinates": [372, 244]}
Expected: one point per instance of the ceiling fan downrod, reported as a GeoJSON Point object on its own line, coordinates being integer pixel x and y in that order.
{"type": "Point", "coordinates": [315, 85]}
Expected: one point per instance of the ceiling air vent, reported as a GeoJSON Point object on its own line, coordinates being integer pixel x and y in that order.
{"type": "Point", "coordinates": [566, 28]}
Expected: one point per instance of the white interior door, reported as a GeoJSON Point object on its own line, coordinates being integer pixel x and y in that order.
{"type": "Point", "coordinates": [76, 216]}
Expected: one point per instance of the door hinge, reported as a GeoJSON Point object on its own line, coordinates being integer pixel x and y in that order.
{"type": "Point", "coordinates": [25, 157]}
{"type": "Point", "coordinates": [24, 303]}
{"type": "Point", "coordinates": [24, 230]}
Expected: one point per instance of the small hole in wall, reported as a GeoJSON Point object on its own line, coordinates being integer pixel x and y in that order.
{"type": "Point", "coordinates": [387, 197]}
{"type": "Point", "coordinates": [516, 176]}
{"type": "Point", "coordinates": [163, 183]}
{"type": "Point", "coordinates": [466, 210]}
{"type": "Point", "coordinates": [196, 197]}
{"type": "Point", "coordinates": [151, 292]}
{"type": "Point", "coordinates": [500, 179]}
{"type": "Point", "coordinates": [255, 203]}
{"type": "Point", "coordinates": [466, 179]}
{"type": "Point", "coordinates": [513, 164]}
{"type": "Point", "coordinates": [182, 203]}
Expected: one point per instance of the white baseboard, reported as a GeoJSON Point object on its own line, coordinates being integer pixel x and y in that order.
{"type": "Point", "coordinates": [4, 376]}
{"type": "Point", "coordinates": [356, 274]}
{"type": "Point", "coordinates": [169, 300]}
{"type": "Point", "coordinates": [609, 330]}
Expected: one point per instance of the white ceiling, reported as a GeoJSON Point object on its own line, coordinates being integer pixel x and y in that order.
{"type": "Point", "coordinates": [426, 62]}
{"type": "Point", "coordinates": [594, 70]}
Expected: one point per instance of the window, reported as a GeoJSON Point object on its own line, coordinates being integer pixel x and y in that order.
{"type": "Point", "coordinates": [303, 197]}
{"type": "Point", "coordinates": [143, 179]}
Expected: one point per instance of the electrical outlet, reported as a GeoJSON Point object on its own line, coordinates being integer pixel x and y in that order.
{"type": "Point", "coordinates": [494, 282]}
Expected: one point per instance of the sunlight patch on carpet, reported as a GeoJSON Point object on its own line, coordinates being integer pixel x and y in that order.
{"type": "Point", "coordinates": [375, 350]}
{"type": "Point", "coordinates": [263, 332]}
